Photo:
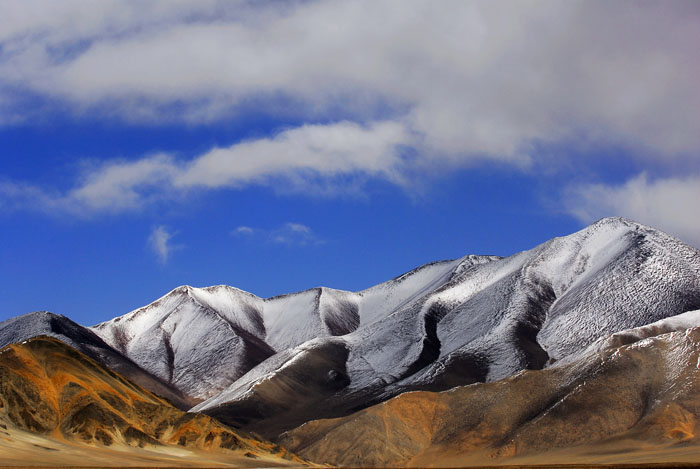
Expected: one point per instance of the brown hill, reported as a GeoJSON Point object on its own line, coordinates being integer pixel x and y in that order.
{"type": "Point", "coordinates": [57, 406]}
{"type": "Point", "coordinates": [636, 403]}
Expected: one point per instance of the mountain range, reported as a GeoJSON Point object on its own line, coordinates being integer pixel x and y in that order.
{"type": "Point", "coordinates": [491, 350]}
{"type": "Point", "coordinates": [612, 403]}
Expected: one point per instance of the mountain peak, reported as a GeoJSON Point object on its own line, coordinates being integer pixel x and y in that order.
{"type": "Point", "coordinates": [41, 314]}
{"type": "Point", "coordinates": [616, 220]}
{"type": "Point", "coordinates": [621, 222]}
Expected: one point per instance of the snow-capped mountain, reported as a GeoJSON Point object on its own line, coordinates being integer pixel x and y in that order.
{"type": "Point", "coordinates": [203, 339]}
{"type": "Point", "coordinates": [325, 352]}
{"type": "Point", "coordinates": [474, 319]}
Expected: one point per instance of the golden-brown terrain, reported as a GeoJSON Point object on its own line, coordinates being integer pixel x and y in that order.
{"type": "Point", "coordinates": [638, 403]}
{"type": "Point", "coordinates": [59, 407]}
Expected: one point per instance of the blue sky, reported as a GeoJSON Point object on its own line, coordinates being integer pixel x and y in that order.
{"type": "Point", "coordinates": [278, 146]}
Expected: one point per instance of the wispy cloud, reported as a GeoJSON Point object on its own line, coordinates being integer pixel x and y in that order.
{"type": "Point", "coordinates": [290, 234]}
{"type": "Point", "coordinates": [666, 203]}
{"type": "Point", "coordinates": [244, 231]}
{"type": "Point", "coordinates": [160, 243]}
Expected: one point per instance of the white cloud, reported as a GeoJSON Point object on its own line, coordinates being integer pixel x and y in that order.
{"type": "Point", "coordinates": [160, 244]}
{"type": "Point", "coordinates": [301, 159]}
{"type": "Point", "coordinates": [475, 78]}
{"type": "Point", "coordinates": [325, 150]}
{"type": "Point", "coordinates": [109, 187]}
{"type": "Point", "coordinates": [669, 204]}
{"type": "Point", "coordinates": [290, 234]}
{"type": "Point", "coordinates": [120, 185]}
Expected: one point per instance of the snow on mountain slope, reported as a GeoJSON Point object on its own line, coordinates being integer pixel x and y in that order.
{"type": "Point", "coordinates": [677, 323]}
{"type": "Point", "coordinates": [564, 294]}
{"type": "Point", "coordinates": [476, 319]}
{"type": "Point", "coordinates": [198, 340]}
{"type": "Point", "coordinates": [379, 301]}
{"type": "Point", "coordinates": [201, 340]}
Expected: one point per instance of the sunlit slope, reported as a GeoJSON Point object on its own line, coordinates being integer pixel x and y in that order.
{"type": "Point", "coordinates": [44, 323]}
{"type": "Point", "coordinates": [52, 396]}
{"type": "Point", "coordinates": [638, 403]}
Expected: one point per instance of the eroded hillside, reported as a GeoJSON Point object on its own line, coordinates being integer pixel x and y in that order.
{"type": "Point", "coordinates": [62, 406]}
{"type": "Point", "coordinates": [638, 402]}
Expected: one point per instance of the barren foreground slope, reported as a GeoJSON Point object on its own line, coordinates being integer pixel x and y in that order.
{"type": "Point", "coordinates": [57, 406]}
{"type": "Point", "coordinates": [634, 403]}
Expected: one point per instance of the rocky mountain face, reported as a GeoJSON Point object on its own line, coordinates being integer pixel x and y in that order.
{"type": "Point", "coordinates": [60, 395]}
{"type": "Point", "coordinates": [641, 400]}
{"type": "Point", "coordinates": [81, 338]}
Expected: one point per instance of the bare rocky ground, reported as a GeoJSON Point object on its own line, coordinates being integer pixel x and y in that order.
{"type": "Point", "coordinates": [59, 407]}
{"type": "Point", "coordinates": [638, 403]}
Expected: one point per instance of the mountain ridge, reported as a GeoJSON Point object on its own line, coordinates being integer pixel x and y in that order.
{"type": "Point", "coordinates": [266, 323]}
